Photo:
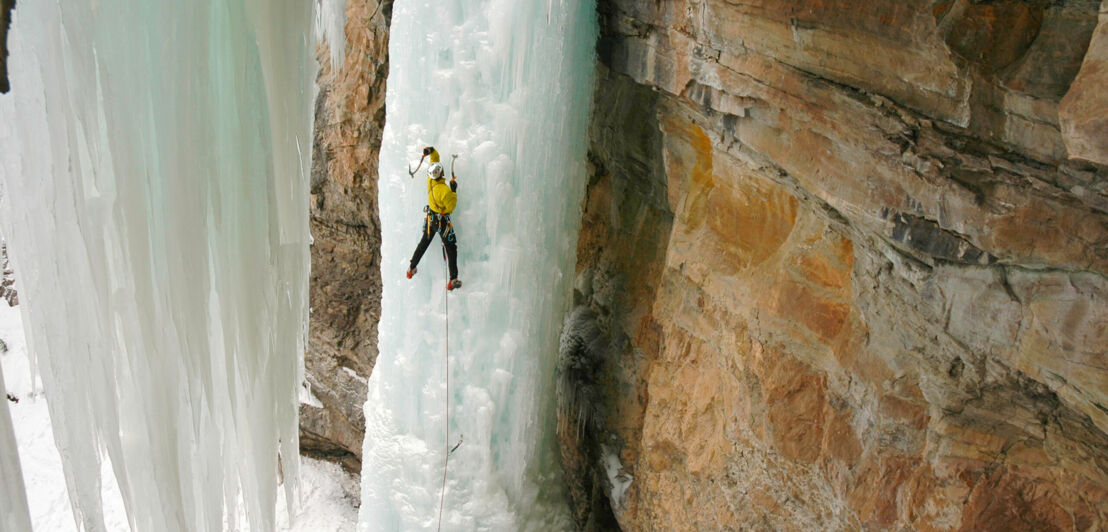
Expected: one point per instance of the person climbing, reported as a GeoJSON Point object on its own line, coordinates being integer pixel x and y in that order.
{"type": "Point", "coordinates": [441, 200]}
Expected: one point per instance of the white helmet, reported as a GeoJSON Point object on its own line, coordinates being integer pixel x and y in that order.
{"type": "Point", "coordinates": [435, 170]}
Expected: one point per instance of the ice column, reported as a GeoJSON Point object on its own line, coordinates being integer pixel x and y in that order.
{"type": "Point", "coordinates": [14, 515]}
{"type": "Point", "coordinates": [507, 86]}
{"type": "Point", "coordinates": [155, 197]}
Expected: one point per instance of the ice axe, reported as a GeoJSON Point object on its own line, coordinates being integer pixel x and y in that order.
{"type": "Point", "coordinates": [453, 157]}
{"type": "Point", "coordinates": [411, 173]}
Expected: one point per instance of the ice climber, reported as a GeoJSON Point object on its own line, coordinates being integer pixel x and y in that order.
{"type": "Point", "coordinates": [441, 200]}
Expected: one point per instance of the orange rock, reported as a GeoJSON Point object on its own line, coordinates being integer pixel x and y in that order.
{"type": "Point", "coordinates": [1006, 500]}
{"type": "Point", "coordinates": [839, 439]}
{"type": "Point", "coordinates": [877, 492]}
{"type": "Point", "coordinates": [792, 301]}
{"type": "Point", "coordinates": [875, 295]}
{"type": "Point", "coordinates": [915, 415]}
{"type": "Point", "coordinates": [795, 396]}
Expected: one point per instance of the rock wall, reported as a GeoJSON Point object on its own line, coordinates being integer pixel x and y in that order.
{"type": "Point", "coordinates": [7, 277]}
{"type": "Point", "coordinates": [843, 266]}
{"type": "Point", "coordinates": [6, 7]}
{"type": "Point", "coordinates": [345, 286]}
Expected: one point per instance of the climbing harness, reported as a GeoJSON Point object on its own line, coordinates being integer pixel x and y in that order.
{"type": "Point", "coordinates": [441, 223]}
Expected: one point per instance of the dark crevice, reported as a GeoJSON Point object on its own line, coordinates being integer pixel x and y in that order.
{"type": "Point", "coordinates": [6, 8]}
{"type": "Point", "coordinates": [584, 346]}
{"type": "Point", "coordinates": [319, 447]}
{"type": "Point", "coordinates": [931, 240]}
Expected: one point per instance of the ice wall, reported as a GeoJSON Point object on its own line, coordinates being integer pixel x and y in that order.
{"type": "Point", "coordinates": [155, 194]}
{"type": "Point", "coordinates": [14, 514]}
{"type": "Point", "coordinates": [507, 86]}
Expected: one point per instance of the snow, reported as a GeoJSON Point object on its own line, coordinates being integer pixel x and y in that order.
{"type": "Point", "coordinates": [506, 85]}
{"type": "Point", "coordinates": [353, 374]}
{"type": "Point", "coordinates": [154, 193]}
{"type": "Point", "coordinates": [14, 514]}
{"type": "Point", "coordinates": [306, 397]}
{"type": "Point", "coordinates": [42, 464]}
{"type": "Point", "coordinates": [619, 480]}
{"type": "Point", "coordinates": [328, 494]}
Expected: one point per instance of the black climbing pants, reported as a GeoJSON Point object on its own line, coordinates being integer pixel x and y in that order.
{"type": "Point", "coordinates": [441, 224]}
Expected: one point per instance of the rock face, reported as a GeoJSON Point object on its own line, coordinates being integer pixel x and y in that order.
{"type": "Point", "coordinates": [839, 269]}
{"type": "Point", "coordinates": [1083, 114]}
{"type": "Point", "coordinates": [7, 278]}
{"type": "Point", "coordinates": [6, 7]}
{"type": "Point", "coordinates": [345, 287]}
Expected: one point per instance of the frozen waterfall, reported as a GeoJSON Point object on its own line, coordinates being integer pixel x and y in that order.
{"type": "Point", "coordinates": [506, 85]}
{"type": "Point", "coordinates": [14, 514]}
{"type": "Point", "coordinates": [155, 197]}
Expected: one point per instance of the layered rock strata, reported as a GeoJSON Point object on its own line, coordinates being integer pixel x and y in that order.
{"type": "Point", "coordinates": [839, 269]}
{"type": "Point", "coordinates": [345, 286]}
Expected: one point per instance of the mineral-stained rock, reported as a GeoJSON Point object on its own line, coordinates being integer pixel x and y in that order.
{"type": "Point", "coordinates": [345, 286]}
{"type": "Point", "coordinates": [1084, 110]}
{"type": "Point", "coordinates": [848, 273]}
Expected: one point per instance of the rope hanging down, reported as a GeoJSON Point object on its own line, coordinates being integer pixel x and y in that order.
{"type": "Point", "coordinates": [450, 451]}
{"type": "Point", "coordinates": [446, 309]}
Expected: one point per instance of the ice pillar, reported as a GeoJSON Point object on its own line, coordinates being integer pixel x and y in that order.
{"type": "Point", "coordinates": [14, 515]}
{"type": "Point", "coordinates": [507, 85]}
{"type": "Point", "coordinates": [155, 198]}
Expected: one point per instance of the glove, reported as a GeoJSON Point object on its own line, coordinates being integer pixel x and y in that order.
{"type": "Point", "coordinates": [427, 151]}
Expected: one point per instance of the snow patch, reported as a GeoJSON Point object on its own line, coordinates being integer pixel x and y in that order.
{"type": "Point", "coordinates": [354, 375]}
{"type": "Point", "coordinates": [328, 495]}
{"type": "Point", "coordinates": [306, 397]}
{"type": "Point", "coordinates": [618, 479]}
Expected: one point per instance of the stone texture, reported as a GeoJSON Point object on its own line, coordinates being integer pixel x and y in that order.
{"type": "Point", "coordinates": [1084, 110]}
{"type": "Point", "coordinates": [847, 274]}
{"type": "Point", "coordinates": [345, 286]}
{"type": "Point", "coordinates": [7, 281]}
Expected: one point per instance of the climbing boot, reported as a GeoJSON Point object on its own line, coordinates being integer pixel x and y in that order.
{"type": "Point", "coordinates": [453, 283]}
{"type": "Point", "coordinates": [411, 272]}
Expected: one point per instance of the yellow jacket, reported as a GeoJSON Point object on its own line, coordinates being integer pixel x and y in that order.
{"type": "Point", "coordinates": [440, 196]}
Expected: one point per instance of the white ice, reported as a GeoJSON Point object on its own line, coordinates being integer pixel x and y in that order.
{"type": "Point", "coordinates": [155, 199]}
{"type": "Point", "coordinates": [506, 85]}
{"type": "Point", "coordinates": [327, 499]}
{"type": "Point", "coordinates": [14, 512]}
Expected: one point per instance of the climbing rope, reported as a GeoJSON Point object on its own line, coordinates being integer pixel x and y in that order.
{"type": "Point", "coordinates": [446, 442]}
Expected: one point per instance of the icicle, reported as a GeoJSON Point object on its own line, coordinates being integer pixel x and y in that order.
{"type": "Point", "coordinates": [14, 515]}
{"type": "Point", "coordinates": [330, 26]}
{"type": "Point", "coordinates": [155, 196]}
